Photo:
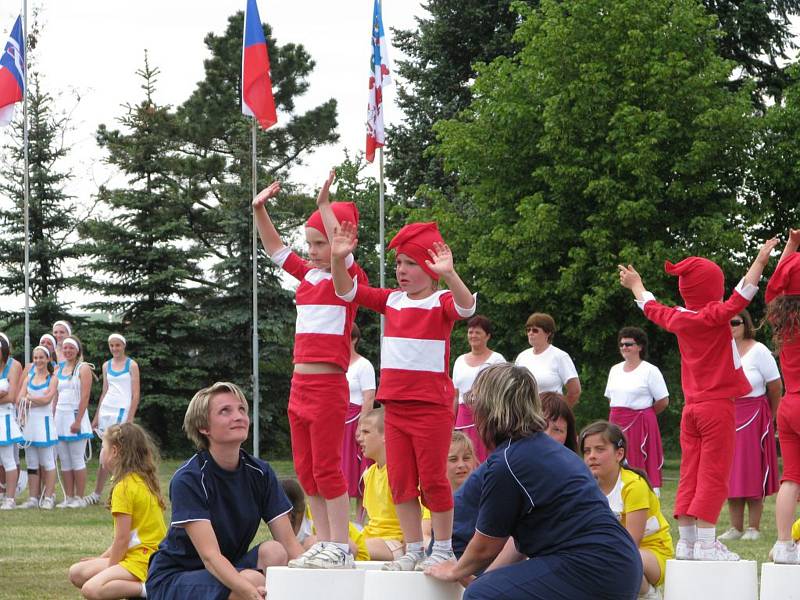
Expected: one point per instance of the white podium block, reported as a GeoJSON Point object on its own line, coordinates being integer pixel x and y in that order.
{"type": "Point", "coordinates": [370, 565]}
{"type": "Point", "coordinates": [399, 585]}
{"type": "Point", "coordinates": [780, 582]}
{"type": "Point", "coordinates": [705, 579]}
{"type": "Point", "coordinates": [284, 583]}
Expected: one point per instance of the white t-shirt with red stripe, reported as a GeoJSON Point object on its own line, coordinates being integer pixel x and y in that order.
{"type": "Point", "coordinates": [324, 321]}
{"type": "Point", "coordinates": [415, 352]}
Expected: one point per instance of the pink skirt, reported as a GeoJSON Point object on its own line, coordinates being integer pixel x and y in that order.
{"type": "Point", "coordinates": [755, 458]}
{"type": "Point", "coordinates": [353, 462]}
{"type": "Point", "coordinates": [465, 423]}
{"type": "Point", "coordinates": [644, 440]}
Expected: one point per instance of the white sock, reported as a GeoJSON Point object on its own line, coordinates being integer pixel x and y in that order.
{"type": "Point", "coordinates": [688, 533]}
{"type": "Point", "coordinates": [414, 547]}
{"type": "Point", "coordinates": [707, 535]}
{"type": "Point", "coordinates": [443, 546]}
{"type": "Point", "coordinates": [143, 593]}
{"type": "Point", "coordinates": [343, 547]}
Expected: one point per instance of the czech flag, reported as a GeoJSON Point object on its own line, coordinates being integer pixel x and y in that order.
{"type": "Point", "coordinates": [257, 100]}
{"type": "Point", "coordinates": [12, 69]}
{"type": "Point", "coordinates": [378, 77]}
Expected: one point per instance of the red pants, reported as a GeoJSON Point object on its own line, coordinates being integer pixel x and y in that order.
{"type": "Point", "coordinates": [708, 437]}
{"type": "Point", "coordinates": [317, 408]}
{"type": "Point", "coordinates": [789, 436]}
{"type": "Point", "coordinates": [417, 436]}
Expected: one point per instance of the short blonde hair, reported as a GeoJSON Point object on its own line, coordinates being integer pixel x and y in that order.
{"type": "Point", "coordinates": [505, 403]}
{"type": "Point", "coordinates": [196, 417]}
{"type": "Point", "coordinates": [460, 440]}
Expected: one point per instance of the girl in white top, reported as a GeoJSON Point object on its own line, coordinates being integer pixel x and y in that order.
{"type": "Point", "coordinates": [118, 400]}
{"type": "Point", "coordinates": [361, 381]}
{"type": "Point", "coordinates": [61, 331]}
{"type": "Point", "coordinates": [39, 429]}
{"type": "Point", "coordinates": [48, 342]}
{"type": "Point", "coordinates": [552, 368]}
{"type": "Point", "coordinates": [72, 420]}
{"type": "Point", "coordinates": [10, 433]}
{"type": "Point", "coordinates": [754, 474]}
{"type": "Point", "coordinates": [466, 369]}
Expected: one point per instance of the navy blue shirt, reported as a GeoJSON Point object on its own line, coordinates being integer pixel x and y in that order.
{"type": "Point", "coordinates": [466, 501]}
{"type": "Point", "coordinates": [542, 494]}
{"type": "Point", "coordinates": [235, 502]}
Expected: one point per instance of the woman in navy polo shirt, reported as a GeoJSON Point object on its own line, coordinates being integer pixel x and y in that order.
{"type": "Point", "coordinates": [219, 497]}
{"type": "Point", "coordinates": [541, 494]}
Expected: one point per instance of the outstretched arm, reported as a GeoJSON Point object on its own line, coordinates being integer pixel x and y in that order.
{"type": "Point", "coordinates": [266, 230]}
{"type": "Point", "coordinates": [757, 268]}
{"type": "Point", "coordinates": [343, 243]}
{"type": "Point", "coordinates": [442, 263]}
{"type": "Point", "coordinates": [791, 244]}
{"type": "Point", "coordinates": [329, 220]}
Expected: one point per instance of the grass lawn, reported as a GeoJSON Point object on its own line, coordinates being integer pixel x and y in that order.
{"type": "Point", "coordinates": [39, 546]}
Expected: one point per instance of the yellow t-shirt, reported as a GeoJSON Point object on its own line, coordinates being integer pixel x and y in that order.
{"type": "Point", "coordinates": [796, 531]}
{"type": "Point", "coordinates": [131, 496]}
{"type": "Point", "coordinates": [383, 522]}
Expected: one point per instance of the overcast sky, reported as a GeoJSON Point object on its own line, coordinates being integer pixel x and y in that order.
{"type": "Point", "coordinates": [93, 48]}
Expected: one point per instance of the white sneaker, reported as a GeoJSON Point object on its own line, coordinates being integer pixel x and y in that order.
{"type": "Point", "coordinates": [65, 502]}
{"type": "Point", "coordinates": [731, 535]}
{"type": "Point", "coordinates": [684, 550]}
{"type": "Point", "coordinates": [30, 503]}
{"type": "Point", "coordinates": [8, 504]}
{"type": "Point", "coordinates": [651, 594]}
{"type": "Point", "coordinates": [751, 534]}
{"type": "Point", "coordinates": [785, 554]}
{"type": "Point", "coordinates": [435, 558]}
{"type": "Point", "coordinates": [300, 561]}
{"type": "Point", "coordinates": [77, 502]}
{"type": "Point", "coordinates": [48, 503]}
{"type": "Point", "coordinates": [407, 562]}
{"type": "Point", "coordinates": [713, 551]}
{"type": "Point", "coordinates": [331, 557]}
{"type": "Point", "coordinates": [93, 498]}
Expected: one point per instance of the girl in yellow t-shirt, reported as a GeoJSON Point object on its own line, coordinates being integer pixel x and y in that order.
{"type": "Point", "coordinates": [138, 509]}
{"type": "Point", "coordinates": [631, 498]}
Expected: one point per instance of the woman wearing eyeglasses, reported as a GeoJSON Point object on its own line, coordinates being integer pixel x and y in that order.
{"type": "Point", "coordinates": [754, 474]}
{"type": "Point", "coordinates": [637, 392]}
{"type": "Point", "coordinates": [552, 368]}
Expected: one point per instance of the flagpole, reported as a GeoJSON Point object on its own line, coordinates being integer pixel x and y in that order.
{"type": "Point", "coordinates": [256, 428]}
{"type": "Point", "coordinates": [381, 232]}
{"type": "Point", "coordinates": [26, 185]}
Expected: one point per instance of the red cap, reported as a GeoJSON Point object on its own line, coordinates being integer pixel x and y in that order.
{"type": "Point", "coordinates": [785, 281]}
{"type": "Point", "coordinates": [344, 211]}
{"type": "Point", "coordinates": [414, 240]}
{"type": "Point", "coordinates": [700, 281]}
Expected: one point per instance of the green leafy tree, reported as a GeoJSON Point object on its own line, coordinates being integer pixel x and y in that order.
{"type": "Point", "coordinates": [143, 262]}
{"type": "Point", "coordinates": [610, 137]}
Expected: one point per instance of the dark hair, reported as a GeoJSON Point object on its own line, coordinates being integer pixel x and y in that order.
{"type": "Point", "coordinates": [554, 407]}
{"type": "Point", "coordinates": [543, 321]}
{"type": "Point", "coordinates": [355, 332]}
{"type": "Point", "coordinates": [50, 368]}
{"type": "Point", "coordinates": [783, 315]}
{"type": "Point", "coordinates": [747, 323]}
{"type": "Point", "coordinates": [296, 496]}
{"type": "Point", "coordinates": [5, 351]}
{"type": "Point", "coordinates": [638, 335]}
{"type": "Point", "coordinates": [482, 322]}
{"type": "Point", "coordinates": [613, 435]}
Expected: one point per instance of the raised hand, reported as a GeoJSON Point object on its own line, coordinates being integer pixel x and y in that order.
{"type": "Point", "coordinates": [441, 261]}
{"type": "Point", "coordinates": [272, 190]}
{"type": "Point", "coordinates": [765, 250]}
{"type": "Point", "coordinates": [628, 277]}
{"type": "Point", "coordinates": [322, 197]}
{"type": "Point", "coordinates": [794, 236]}
{"type": "Point", "coordinates": [345, 239]}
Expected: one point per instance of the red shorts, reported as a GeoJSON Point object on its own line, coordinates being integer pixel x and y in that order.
{"type": "Point", "coordinates": [417, 436]}
{"type": "Point", "coordinates": [317, 409]}
{"type": "Point", "coordinates": [789, 436]}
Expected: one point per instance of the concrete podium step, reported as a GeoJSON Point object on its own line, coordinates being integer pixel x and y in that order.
{"type": "Point", "coordinates": [395, 585]}
{"type": "Point", "coordinates": [780, 582]}
{"type": "Point", "coordinates": [711, 580]}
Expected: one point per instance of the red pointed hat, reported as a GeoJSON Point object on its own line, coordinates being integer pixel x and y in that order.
{"type": "Point", "coordinates": [700, 281]}
{"type": "Point", "coordinates": [414, 240]}
{"type": "Point", "coordinates": [785, 281]}
{"type": "Point", "coordinates": [344, 211]}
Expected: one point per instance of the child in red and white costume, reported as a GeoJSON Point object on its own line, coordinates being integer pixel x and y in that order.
{"type": "Point", "coordinates": [415, 387]}
{"type": "Point", "coordinates": [319, 395]}
{"type": "Point", "coordinates": [711, 377]}
{"type": "Point", "coordinates": [783, 314]}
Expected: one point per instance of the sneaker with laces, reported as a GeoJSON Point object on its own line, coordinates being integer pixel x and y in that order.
{"type": "Point", "coordinates": [65, 502]}
{"type": "Point", "coordinates": [751, 534]}
{"type": "Point", "coordinates": [715, 550]}
{"type": "Point", "coordinates": [93, 498]}
{"type": "Point", "coordinates": [331, 557]}
{"type": "Point", "coordinates": [652, 593]}
{"type": "Point", "coordinates": [30, 503]}
{"type": "Point", "coordinates": [300, 561]}
{"type": "Point", "coordinates": [77, 502]}
{"type": "Point", "coordinates": [684, 550]}
{"type": "Point", "coordinates": [785, 553]}
{"type": "Point", "coordinates": [48, 503]}
{"type": "Point", "coordinates": [8, 504]}
{"type": "Point", "coordinates": [407, 562]}
{"type": "Point", "coordinates": [435, 558]}
{"type": "Point", "coordinates": [731, 535]}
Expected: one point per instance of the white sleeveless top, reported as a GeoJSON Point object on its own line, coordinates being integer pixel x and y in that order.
{"type": "Point", "coordinates": [7, 408]}
{"type": "Point", "coordinates": [39, 391]}
{"type": "Point", "coordinates": [69, 389]}
{"type": "Point", "coordinates": [119, 393]}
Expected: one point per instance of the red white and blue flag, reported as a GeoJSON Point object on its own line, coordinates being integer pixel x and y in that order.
{"type": "Point", "coordinates": [378, 77]}
{"type": "Point", "coordinates": [257, 100]}
{"type": "Point", "coordinates": [12, 73]}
